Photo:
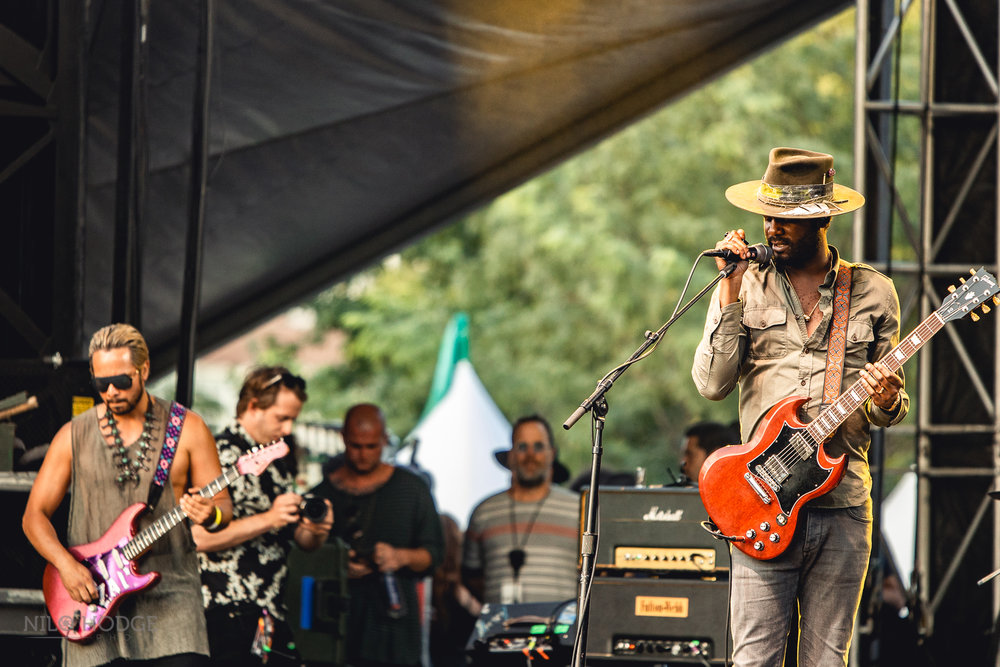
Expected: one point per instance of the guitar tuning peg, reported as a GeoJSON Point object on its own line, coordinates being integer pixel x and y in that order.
{"type": "Point", "coordinates": [972, 272]}
{"type": "Point", "coordinates": [974, 316]}
{"type": "Point", "coordinates": [985, 309]}
{"type": "Point", "coordinates": [961, 280]}
{"type": "Point", "coordinates": [996, 300]}
{"type": "Point", "coordinates": [951, 288]}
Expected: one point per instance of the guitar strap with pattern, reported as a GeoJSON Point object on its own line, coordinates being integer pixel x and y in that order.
{"type": "Point", "coordinates": [838, 336]}
{"type": "Point", "coordinates": [175, 422]}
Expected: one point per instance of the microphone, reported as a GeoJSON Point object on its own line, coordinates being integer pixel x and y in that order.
{"type": "Point", "coordinates": [759, 252]}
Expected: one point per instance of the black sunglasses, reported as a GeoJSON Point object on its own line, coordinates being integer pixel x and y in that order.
{"type": "Point", "coordinates": [121, 382]}
{"type": "Point", "coordinates": [287, 379]}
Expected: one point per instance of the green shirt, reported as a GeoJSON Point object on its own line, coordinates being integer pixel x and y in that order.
{"type": "Point", "coordinates": [400, 513]}
{"type": "Point", "coordinates": [761, 345]}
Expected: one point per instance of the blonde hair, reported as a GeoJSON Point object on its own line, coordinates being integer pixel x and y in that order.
{"type": "Point", "coordinates": [116, 336]}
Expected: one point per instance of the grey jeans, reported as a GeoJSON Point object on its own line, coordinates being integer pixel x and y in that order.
{"type": "Point", "coordinates": [823, 570]}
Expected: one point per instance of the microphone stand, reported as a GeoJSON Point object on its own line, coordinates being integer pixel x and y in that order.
{"type": "Point", "coordinates": [597, 404]}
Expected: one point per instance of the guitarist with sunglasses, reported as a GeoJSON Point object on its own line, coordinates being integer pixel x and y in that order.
{"type": "Point", "coordinates": [799, 328]}
{"type": "Point", "coordinates": [107, 458]}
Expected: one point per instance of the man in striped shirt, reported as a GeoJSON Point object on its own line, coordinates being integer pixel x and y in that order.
{"type": "Point", "coordinates": [522, 544]}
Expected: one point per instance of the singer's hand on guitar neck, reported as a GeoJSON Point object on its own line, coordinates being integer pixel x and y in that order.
{"type": "Point", "coordinates": [729, 288]}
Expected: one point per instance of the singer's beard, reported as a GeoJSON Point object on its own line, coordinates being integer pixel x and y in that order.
{"type": "Point", "coordinates": [800, 253]}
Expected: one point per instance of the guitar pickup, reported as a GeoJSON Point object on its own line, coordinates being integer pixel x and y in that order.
{"type": "Point", "coordinates": [755, 485]}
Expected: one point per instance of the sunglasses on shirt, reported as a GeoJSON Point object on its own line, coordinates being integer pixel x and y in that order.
{"type": "Point", "coordinates": [121, 382]}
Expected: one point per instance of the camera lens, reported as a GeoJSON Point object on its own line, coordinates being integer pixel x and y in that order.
{"type": "Point", "coordinates": [312, 507]}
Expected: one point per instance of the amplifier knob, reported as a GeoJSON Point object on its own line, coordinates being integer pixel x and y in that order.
{"type": "Point", "coordinates": [781, 519]}
{"type": "Point", "coordinates": [774, 537]}
{"type": "Point", "coordinates": [764, 526]}
{"type": "Point", "coordinates": [758, 545]}
{"type": "Point", "coordinates": [751, 534]}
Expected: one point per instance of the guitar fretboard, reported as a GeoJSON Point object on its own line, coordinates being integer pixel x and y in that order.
{"type": "Point", "coordinates": [827, 422]}
{"type": "Point", "coordinates": [145, 538]}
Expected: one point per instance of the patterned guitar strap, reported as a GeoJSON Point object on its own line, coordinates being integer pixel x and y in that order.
{"type": "Point", "coordinates": [838, 336]}
{"type": "Point", "coordinates": [175, 422]}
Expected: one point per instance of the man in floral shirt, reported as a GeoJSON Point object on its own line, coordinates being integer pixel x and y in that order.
{"type": "Point", "coordinates": [243, 565]}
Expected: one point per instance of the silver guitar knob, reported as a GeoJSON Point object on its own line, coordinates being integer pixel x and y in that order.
{"type": "Point", "coordinates": [751, 534]}
{"type": "Point", "coordinates": [764, 526]}
{"type": "Point", "coordinates": [781, 519]}
{"type": "Point", "coordinates": [774, 537]}
{"type": "Point", "coordinates": [758, 545]}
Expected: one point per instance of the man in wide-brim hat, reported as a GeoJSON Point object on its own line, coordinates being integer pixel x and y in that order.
{"type": "Point", "coordinates": [521, 544]}
{"type": "Point", "coordinates": [769, 330]}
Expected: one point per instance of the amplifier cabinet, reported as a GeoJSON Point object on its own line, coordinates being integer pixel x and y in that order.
{"type": "Point", "coordinates": [658, 620]}
{"type": "Point", "coordinates": [654, 529]}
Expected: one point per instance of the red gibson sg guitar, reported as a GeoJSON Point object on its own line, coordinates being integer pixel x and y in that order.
{"type": "Point", "coordinates": [753, 492]}
{"type": "Point", "coordinates": [111, 559]}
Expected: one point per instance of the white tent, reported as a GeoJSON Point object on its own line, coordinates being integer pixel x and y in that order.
{"type": "Point", "coordinates": [455, 444]}
{"type": "Point", "coordinates": [459, 430]}
{"type": "Point", "coordinates": [899, 524]}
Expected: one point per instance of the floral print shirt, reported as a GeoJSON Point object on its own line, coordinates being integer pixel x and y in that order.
{"type": "Point", "coordinates": [252, 573]}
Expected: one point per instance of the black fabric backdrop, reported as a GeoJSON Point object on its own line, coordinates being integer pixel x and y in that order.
{"type": "Point", "coordinates": [341, 131]}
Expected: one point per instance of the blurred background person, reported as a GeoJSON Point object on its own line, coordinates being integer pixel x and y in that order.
{"type": "Point", "coordinates": [700, 440]}
{"type": "Point", "coordinates": [454, 609]}
{"type": "Point", "coordinates": [522, 543]}
{"type": "Point", "coordinates": [386, 515]}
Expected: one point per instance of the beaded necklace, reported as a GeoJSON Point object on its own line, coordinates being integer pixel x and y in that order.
{"type": "Point", "coordinates": [128, 470]}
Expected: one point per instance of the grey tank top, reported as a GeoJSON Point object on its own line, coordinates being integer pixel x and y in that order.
{"type": "Point", "coordinates": [166, 618]}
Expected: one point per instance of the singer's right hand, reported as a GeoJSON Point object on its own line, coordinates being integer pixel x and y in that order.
{"type": "Point", "coordinates": [735, 240]}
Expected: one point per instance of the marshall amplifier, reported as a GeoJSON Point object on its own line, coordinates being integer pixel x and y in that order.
{"type": "Point", "coordinates": [661, 620]}
{"type": "Point", "coordinates": [655, 530]}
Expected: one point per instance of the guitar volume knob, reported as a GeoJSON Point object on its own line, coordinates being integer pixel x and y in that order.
{"type": "Point", "coordinates": [764, 526]}
{"type": "Point", "coordinates": [774, 537]}
{"type": "Point", "coordinates": [751, 534]}
{"type": "Point", "coordinates": [758, 545]}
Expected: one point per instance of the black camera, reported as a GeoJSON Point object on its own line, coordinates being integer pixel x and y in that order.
{"type": "Point", "coordinates": [312, 507]}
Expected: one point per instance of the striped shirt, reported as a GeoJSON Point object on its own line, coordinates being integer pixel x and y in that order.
{"type": "Point", "coordinates": [548, 532]}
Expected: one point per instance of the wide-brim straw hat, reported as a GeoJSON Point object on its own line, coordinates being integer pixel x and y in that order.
{"type": "Point", "coordinates": [797, 184]}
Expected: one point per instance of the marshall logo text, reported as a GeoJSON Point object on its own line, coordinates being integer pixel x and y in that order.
{"type": "Point", "coordinates": [656, 514]}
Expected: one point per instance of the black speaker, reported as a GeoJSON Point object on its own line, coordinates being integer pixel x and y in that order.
{"type": "Point", "coordinates": [316, 596]}
{"type": "Point", "coordinates": [658, 620]}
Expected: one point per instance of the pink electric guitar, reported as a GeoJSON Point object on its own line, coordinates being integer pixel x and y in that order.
{"type": "Point", "coordinates": [111, 559]}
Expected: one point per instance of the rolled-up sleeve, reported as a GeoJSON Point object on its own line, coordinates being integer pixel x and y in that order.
{"type": "Point", "coordinates": [718, 357]}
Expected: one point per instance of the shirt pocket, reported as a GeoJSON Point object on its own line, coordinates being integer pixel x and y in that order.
{"type": "Point", "coordinates": [860, 337]}
{"type": "Point", "coordinates": [767, 330]}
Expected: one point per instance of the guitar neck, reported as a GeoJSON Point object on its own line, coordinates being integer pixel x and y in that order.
{"type": "Point", "coordinates": [147, 536]}
{"type": "Point", "coordinates": [830, 419]}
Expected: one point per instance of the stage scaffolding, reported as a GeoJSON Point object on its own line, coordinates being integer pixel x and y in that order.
{"type": "Point", "coordinates": [926, 157]}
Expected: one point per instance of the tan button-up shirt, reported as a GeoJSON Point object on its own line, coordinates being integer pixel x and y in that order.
{"type": "Point", "coordinates": [760, 343]}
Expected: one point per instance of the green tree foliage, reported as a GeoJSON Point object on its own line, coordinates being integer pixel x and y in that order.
{"type": "Point", "coordinates": [562, 276]}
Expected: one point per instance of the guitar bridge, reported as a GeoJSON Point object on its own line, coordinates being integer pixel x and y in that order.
{"type": "Point", "coordinates": [755, 485]}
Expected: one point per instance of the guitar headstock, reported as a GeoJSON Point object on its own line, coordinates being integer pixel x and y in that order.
{"type": "Point", "coordinates": [969, 295]}
{"type": "Point", "coordinates": [257, 459]}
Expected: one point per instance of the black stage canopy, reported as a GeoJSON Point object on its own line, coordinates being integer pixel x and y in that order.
{"type": "Point", "coordinates": [341, 131]}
